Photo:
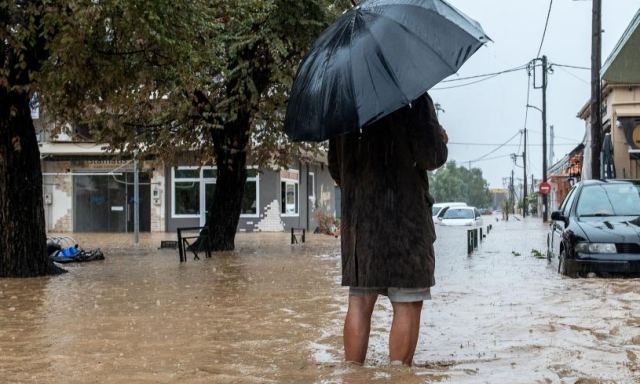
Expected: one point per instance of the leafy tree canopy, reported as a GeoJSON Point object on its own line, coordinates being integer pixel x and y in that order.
{"type": "Point", "coordinates": [457, 183]}
{"type": "Point", "coordinates": [166, 76]}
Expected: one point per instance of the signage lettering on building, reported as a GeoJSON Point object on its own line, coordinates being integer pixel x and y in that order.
{"type": "Point", "coordinates": [109, 164]}
{"type": "Point", "coordinates": [289, 175]}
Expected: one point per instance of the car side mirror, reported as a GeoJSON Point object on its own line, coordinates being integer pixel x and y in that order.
{"type": "Point", "coordinates": [557, 216]}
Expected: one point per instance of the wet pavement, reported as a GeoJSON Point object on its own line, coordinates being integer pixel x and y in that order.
{"type": "Point", "coordinates": [272, 313]}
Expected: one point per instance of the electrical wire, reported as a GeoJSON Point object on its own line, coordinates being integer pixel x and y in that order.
{"type": "Point", "coordinates": [514, 69]}
{"type": "Point", "coordinates": [487, 159]}
{"type": "Point", "coordinates": [559, 137]}
{"type": "Point", "coordinates": [506, 145]}
{"type": "Point", "coordinates": [493, 150]}
{"type": "Point", "coordinates": [546, 25]}
{"type": "Point", "coordinates": [570, 66]}
{"type": "Point", "coordinates": [466, 84]}
{"type": "Point", "coordinates": [572, 75]}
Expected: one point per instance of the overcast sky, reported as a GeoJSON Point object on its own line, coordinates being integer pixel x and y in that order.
{"type": "Point", "coordinates": [492, 111]}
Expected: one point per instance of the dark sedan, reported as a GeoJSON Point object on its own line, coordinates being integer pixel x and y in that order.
{"type": "Point", "coordinates": [597, 228]}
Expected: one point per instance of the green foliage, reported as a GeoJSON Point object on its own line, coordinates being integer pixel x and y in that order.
{"type": "Point", "coordinates": [538, 254]}
{"type": "Point", "coordinates": [533, 203]}
{"type": "Point", "coordinates": [454, 183]}
{"type": "Point", "coordinates": [166, 76]}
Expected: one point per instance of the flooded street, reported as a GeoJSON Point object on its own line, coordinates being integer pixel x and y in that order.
{"type": "Point", "coordinates": [272, 313]}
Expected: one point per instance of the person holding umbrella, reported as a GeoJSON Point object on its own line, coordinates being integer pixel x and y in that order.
{"type": "Point", "coordinates": [387, 230]}
{"type": "Point", "coordinates": [363, 86]}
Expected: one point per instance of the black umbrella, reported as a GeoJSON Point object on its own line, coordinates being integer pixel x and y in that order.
{"type": "Point", "coordinates": [378, 57]}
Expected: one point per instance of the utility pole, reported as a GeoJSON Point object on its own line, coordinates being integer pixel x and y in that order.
{"type": "Point", "coordinates": [512, 193]}
{"type": "Point", "coordinates": [136, 199]}
{"type": "Point", "coordinates": [524, 178]}
{"type": "Point", "coordinates": [533, 184]}
{"type": "Point", "coordinates": [545, 73]}
{"type": "Point", "coordinates": [545, 203]}
{"type": "Point", "coordinates": [551, 144]}
{"type": "Point", "coordinates": [596, 92]}
{"type": "Point", "coordinates": [525, 203]}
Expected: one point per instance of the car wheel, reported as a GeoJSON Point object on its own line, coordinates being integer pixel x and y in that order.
{"type": "Point", "coordinates": [561, 263]}
{"type": "Point", "coordinates": [563, 269]}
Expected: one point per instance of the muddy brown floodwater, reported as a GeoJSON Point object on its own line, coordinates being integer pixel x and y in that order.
{"type": "Point", "coordinates": [272, 313]}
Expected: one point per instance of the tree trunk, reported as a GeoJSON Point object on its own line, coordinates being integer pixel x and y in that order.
{"type": "Point", "coordinates": [231, 160]}
{"type": "Point", "coordinates": [23, 249]}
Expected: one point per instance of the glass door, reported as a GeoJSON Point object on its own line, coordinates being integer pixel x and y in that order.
{"type": "Point", "coordinates": [206, 201]}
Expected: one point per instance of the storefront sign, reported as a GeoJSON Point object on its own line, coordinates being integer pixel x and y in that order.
{"type": "Point", "coordinates": [103, 164]}
{"type": "Point", "coordinates": [289, 175]}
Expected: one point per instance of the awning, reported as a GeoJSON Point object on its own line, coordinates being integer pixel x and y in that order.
{"type": "Point", "coordinates": [72, 149]}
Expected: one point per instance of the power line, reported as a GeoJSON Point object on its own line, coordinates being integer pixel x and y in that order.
{"type": "Point", "coordinates": [494, 150]}
{"type": "Point", "coordinates": [559, 137]}
{"type": "Point", "coordinates": [466, 84]}
{"type": "Point", "coordinates": [570, 66]}
{"type": "Point", "coordinates": [546, 25]}
{"type": "Point", "coordinates": [572, 75]}
{"type": "Point", "coordinates": [518, 68]}
{"type": "Point", "coordinates": [507, 145]}
{"type": "Point", "coordinates": [481, 78]}
{"type": "Point", "coordinates": [487, 159]}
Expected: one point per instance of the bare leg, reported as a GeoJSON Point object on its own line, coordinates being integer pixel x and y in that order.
{"type": "Point", "coordinates": [357, 326]}
{"type": "Point", "coordinates": [405, 330]}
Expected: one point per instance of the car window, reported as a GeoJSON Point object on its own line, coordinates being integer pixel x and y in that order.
{"type": "Point", "coordinates": [616, 199]}
{"type": "Point", "coordinates": [456, 213]}
{"type": "Point", "coordinates": [568, 202]}
{"type": "Point", "coordinates": [435, 210]}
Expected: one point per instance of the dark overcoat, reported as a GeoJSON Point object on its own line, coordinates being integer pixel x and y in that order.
{"type": "Point", "coordinates": [387, 230]}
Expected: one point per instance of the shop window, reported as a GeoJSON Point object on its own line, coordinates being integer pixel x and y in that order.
{"type": "Point", "coordinates": [186, 192]}
{"type": "Point", "coordinates": [250, 197]}
{"type": "Point", "coordinates": [187, 173]}
{"type": "Point", "coordinates": [190, 183]}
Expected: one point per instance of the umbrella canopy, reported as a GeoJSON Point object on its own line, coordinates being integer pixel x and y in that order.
{"type": "Point", "coordinates": [378, 57]}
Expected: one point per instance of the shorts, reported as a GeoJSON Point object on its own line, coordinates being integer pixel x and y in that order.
{"type": "Point", "coordinates": [396, 295]}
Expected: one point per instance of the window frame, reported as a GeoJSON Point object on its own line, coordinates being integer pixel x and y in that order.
{"type": "Point", "coordinates": [297, 197]}
{"type": "Point", "coordinates": [175, 215]}
{"type": "Point", "coordinates": [255, 179]}
{"type": "Point", "coordinates": [202, 190]}
{"type": "Point", "coordinates": [312, 186]}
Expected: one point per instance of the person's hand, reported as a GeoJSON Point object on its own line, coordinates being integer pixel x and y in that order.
{"type": "Point", "coordinates": [444, 136]}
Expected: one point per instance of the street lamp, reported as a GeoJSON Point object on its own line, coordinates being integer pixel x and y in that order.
{"type": "Point", "coordinates": [534, 107]}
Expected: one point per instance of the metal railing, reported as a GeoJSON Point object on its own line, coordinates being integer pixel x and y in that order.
{"type": "Point", "coordinates": [185, 245]}
{"type": "Point", "coordinates": [475, 237]}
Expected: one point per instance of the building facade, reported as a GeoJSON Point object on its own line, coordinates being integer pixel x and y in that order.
{"type": "Point", "coordinates": [88, 190]}
{"type": "Point", "coordinates": [620, 157]}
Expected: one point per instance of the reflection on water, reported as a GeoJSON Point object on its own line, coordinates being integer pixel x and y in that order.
{"type": "Point", "coordinates": [271, 312]}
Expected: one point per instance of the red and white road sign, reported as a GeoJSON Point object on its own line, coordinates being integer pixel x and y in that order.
{"type": "Point", "coordinates": [545, 188]}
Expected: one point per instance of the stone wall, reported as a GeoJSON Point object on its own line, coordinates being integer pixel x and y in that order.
{"type": "Point", "coordinates": [270, 220]}
{"type": "Point", "coordinates": [58, 196]}
{"type": "Point", "coordinates": [158, 209]}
